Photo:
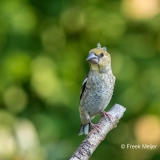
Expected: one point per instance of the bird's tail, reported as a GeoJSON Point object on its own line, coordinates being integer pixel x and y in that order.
{"type": "Point", "coordinates": [84, 129]}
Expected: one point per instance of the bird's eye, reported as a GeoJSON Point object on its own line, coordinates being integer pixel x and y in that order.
{"type": "Point", "coordinates": [102, 54]}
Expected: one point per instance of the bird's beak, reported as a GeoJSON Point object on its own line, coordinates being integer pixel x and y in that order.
{"type": "Point", "coordinates": [92, 58]}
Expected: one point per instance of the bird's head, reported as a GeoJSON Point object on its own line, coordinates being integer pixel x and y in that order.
{"type": "Point", "coordinates": [99, 58]}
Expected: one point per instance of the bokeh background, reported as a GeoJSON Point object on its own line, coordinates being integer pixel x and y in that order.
{"type": "Point", "coordinates": [43, 47]}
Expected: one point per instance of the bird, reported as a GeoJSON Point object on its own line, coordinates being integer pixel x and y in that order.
{"type": "Point", "coordinates": [97, 88]}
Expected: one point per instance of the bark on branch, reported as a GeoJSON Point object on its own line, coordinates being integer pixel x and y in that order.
{"type": "Point", "coordinates": [94, 138]}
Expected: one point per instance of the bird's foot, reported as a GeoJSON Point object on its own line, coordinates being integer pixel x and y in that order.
{"type": "Point", "coordinates": [106, 114]}
{"type": "Point", "coordinates": [96, 127]}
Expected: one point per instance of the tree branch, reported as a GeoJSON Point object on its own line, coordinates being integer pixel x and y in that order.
{"type": "Point", "coordinates": [94, 138]}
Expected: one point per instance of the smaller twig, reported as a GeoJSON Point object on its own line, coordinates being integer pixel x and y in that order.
{"type": "Point", "coordinates": [94, 138]}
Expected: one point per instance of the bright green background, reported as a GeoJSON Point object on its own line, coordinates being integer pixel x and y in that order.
{"type": "Point", "coordinates": [43, 50]}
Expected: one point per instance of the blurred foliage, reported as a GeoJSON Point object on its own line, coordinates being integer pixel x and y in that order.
{"type": "Point", "coordinates": [43, 47]}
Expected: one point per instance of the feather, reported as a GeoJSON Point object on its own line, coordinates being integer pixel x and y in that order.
{"type": "Point", "coordinates": [86, 129]}
{"type": "Point", "coordinates": [83, 86]}
{"type": "Point", "coordinates": [81, 130]}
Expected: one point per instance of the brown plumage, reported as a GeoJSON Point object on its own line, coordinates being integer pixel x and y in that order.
{"type": "Point", "coordinates": [97, 88]}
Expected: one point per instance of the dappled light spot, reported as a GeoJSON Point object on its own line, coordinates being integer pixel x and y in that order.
{"type": "Point", "coordinates": [20, 16]}
{"type": "Point", "coordinates": [113, 26]}
{"type": "Point", "coordinates": [16, 66]}
{"type": "Point", "coordinates": [45, 81]}
{"type": "Point", "coordinates": [140, 9]}
{"type": "Point", "coordinates": [8, 146]}
{"type": "Point", "coordinates": [53, 38]}
{"type": "Point", "coordinates": [72, 19]}
{"type": "Point", "coordinates": [27, 140]}
{"type": "Point", "coordinates": [15, 99]}
{"type": "Point", "coordinates": [108, 27]}
{"type": "Point", "coordinates": [147, 129]}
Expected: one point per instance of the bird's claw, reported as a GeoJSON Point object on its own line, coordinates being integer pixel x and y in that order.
{"type": "Point", "coordinates": [106, 114]}
{"type": "Point", "coordinates": [96, 127]}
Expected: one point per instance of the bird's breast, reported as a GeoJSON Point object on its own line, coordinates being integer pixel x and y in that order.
{"type": "Point", "coordinates": [98, 92]}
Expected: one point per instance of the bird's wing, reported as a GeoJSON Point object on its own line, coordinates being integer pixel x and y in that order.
{"type": "Point", "coordinates": [83, 86]}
